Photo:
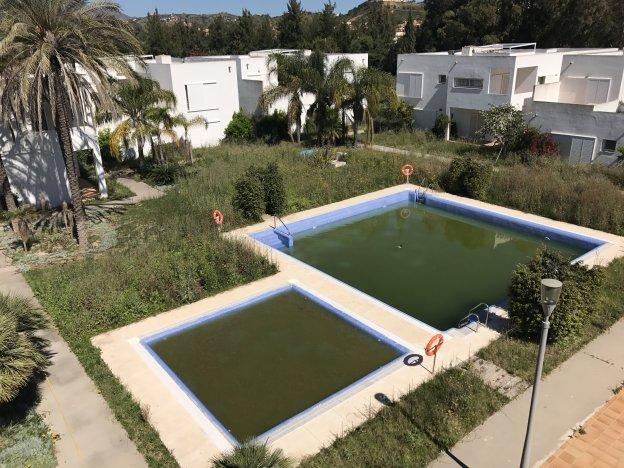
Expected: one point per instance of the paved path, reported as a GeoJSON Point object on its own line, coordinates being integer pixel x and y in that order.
{"type": "Point", "coordinates": [600, 443]}
{"type": "Point", "coordinates": [90, 436]}
{"type": "Point", "coordinates": [568, 395]}
{"type": "Point", "coordinates": [142, 191]}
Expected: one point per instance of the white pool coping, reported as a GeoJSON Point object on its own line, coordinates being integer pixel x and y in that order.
{"type": "Point", "coordinates": [194, 439]}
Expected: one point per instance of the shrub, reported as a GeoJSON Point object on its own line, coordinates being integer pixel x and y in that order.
{"type": "Point", "coordinates": [468, 177]}
{"type": "Point", "coordinates": [108, 160]}
{"type": "Point", "coordinates": [439, 127]}
{"type": "Point", "coordinates": [579, 296]}
{"type": "Point", "coordinates": [22, 352]}
{"type": "Point", "coordinates": [164, 174]}
{"type": "Point", "coordinates": [272, 129]}
{"type": "Point", "coordinates": [274, 190]}
{"type": "Point", "coordinates": [249, 196]}
{"type": "Point", "coordinates": [240, 129]}
{"type": "Point", "coordinates": [394, 118]}
{"type": "Point", "coordinates": [250, 455]}
{"type": "Point", "coordinates": [537, 143]}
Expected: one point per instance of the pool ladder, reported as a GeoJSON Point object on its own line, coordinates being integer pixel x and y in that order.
{"type": "Point", "coordinates": [421, 191]}
{"type": "Point", "coordinates": [473, 317]}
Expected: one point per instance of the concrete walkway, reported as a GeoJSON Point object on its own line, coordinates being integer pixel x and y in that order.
{"type": "Point", "coordinates": [568, 396]}
{"type": "Point", "coordinates": [89, 434]}
{"type": "Point", "coordinates": [142, 191]}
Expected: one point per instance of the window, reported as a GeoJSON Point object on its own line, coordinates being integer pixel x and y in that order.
{"type": "Point", "coordinates": [470, 83]}
{"type": "Point", "coordinates": [541, 80]}
{"type": "Point", "coordinates": [609, 146]}
{"type": "Point", "coordinates": [441, 79]}
{"type": "Point", "coordinates": [597, 90]}
{"type": "Point", "coordinates": [409, 85]}
{"type": "Point", "coordinates": [499, 82]}
{"type": "Point", "coordinates": [202, 96]}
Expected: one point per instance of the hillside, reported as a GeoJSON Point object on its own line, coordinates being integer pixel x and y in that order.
{"type": "Point", "coordinates": [400, 11]}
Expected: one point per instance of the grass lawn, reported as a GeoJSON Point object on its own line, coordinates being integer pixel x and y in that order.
{"type": "Point", "coordinates": [425, 143]}
{"type": "Point", "coordinates": [27, 442]}
{"type": "Point", "coordinates": [413, 431]}
{"type": "Point", "coordinates": [169, 254]}
{"type": "Point", "coordinates": [518, 357]}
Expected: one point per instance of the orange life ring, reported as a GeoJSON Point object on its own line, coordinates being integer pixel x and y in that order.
{"type": "Point", "coordinates": [407, 170]}
{"type": "Point", "coordinates": [217, 216]}
{"type": "Point", "coordinates": [435, 343]}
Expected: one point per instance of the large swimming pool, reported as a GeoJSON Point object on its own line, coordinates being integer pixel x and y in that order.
{"type": "Point", "coordinates": [432, 261]}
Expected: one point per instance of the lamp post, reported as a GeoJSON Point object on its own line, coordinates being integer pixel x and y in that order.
{"type": "Point", "coordinates": [551, 290]}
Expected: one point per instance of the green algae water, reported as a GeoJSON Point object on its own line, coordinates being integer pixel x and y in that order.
{"type": "Point", "coordinates": [423, 261]}
{"type": "Point", "coordinates": [257, 366]}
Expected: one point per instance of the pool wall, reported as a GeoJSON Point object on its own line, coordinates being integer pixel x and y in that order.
{"type": "Point", "coordinates": [284, 426]}
{"type": "Point", "coordinates": [281, 237]}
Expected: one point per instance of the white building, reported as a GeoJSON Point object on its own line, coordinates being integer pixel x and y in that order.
{"type": "Point", "coordinates": [573, 93]}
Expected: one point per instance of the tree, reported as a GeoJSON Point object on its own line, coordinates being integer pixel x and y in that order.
{"type": "Point", "coordinates": [407, 43]}
{"type": "Point", "coordinates": [265, 37]}
{"type": "Point", "coordinates": [291, 25]}
{"type": "Point", "coordinates": [186, 124]}
{"type": "Point", "coordinates": [291, 71]}
{"type": "Point", "coordinates": [59, 53]}
{"type": "Point", "coordinates": [155, 38]}
{"type": "Point", "coordinates": [161, 123]}
{"type": "Point", "coordinates": [504, 124]}
{"type": "Point", "coordinates": [240, 128]}
{"type": "Point", "coordinates": [217, 36]}
{"type": "Point", "coordinates": [243, 34]}
{"type": "Point", "coordinates": [134, 100]}
{"type": "Point", "coordinates": [368, 91]}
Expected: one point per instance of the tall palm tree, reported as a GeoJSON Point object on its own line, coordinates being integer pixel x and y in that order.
{"type": "Point", "coordinates": [368, 89]}
{"type": "Point", "coordinates": [186, 124]}
{"type": "Point", "coordinates": [292, 75]}
{"type": "Point", "coordinates": [133, 100]}
{"type": "Point", "coordinates": [59, 53]}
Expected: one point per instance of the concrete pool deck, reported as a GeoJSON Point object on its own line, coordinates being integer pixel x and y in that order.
{"type": "Point", "coordinates": [193, 440]}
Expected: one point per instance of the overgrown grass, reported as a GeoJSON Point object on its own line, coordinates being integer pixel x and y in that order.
{"type": "Point", "coordinates": [518, 356]}
{"type": "Point", "coordinates": [433, 417]}
{"type": "Point", "coordinates": [424, 142]}
{"type": "Point", "coordinates": [27, 443]}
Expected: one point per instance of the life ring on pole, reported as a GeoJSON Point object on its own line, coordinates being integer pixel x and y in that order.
{"type": "Point", "coordinates": [217, 217]}
{"type": "Point", "coordinates": [435, 343]}
{"type": "Point", "coordinates": [407, 170]}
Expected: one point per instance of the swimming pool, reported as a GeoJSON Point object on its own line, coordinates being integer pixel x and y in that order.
{"type": "Point", "coordinates": [259, 367]}
{"type": "Point", "coordinates": [432, 261]}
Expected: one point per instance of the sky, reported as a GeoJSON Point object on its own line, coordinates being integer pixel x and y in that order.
{"type": "Point", "coordinates": [272, 7]}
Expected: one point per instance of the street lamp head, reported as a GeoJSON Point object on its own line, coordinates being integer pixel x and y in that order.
{"type": "Point", "coordinates": [551, 290]}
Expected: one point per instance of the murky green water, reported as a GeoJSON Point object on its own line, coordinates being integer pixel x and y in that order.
{"type": "Point", "coordinates": [258, 366]}
{"type": "Point", "coordinates": [428, 263]}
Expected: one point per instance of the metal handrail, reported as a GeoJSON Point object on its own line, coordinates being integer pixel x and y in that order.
{"type": "Point", "coordinates": [466, 321]}
{"type": "Point", "coordinates": [283, 224]}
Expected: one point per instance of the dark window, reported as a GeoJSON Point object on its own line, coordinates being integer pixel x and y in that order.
{"type": "Point", "coordinates": [609, 146]}
{"type": "Point", "coordinates": [541, 79]}
{"type": "Point", "coordinates": [441, 79]}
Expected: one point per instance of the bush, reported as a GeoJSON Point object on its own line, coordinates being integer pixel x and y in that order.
{"type": "Point", "coordinates": [537, 143]}
{"type": "Point", "coordinates": [468, 177]}
{"type": "Point", "coordinates": [579, 295]}
{"type": "Point", "coordinates": [250, 455]}
{"type": "Point", "coordinates": [272, 129]}
{"type": "Point", "coordinates": [439, 127]}
{"type": "Point", "coordinates": [240, 129]}
{"type": "Point", "coordinates": [23, 354]}
{"type": "Point", "coordinates": [164, 174]}
{"type": "Point", "coordinates": [274, 190]}
{"type": "Point", "coordinates": [249, 196]}
{"type": "Point", "coordinates": [394, 118]}
{"type": "Point", "coordinates": [108, 160]}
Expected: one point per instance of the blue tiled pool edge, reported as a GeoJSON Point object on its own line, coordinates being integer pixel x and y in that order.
{"type": "Point", "coordinates": [146, 342]}
{"type": "Point", "coordinates": [277, 238]}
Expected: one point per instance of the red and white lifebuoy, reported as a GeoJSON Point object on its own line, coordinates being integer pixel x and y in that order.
{"type": "Point", "coordinates": [217, 217]}
{"type": "Point", "coordinates": [434, 345]}
{"type": "Point", "coordinates": [407, 170]}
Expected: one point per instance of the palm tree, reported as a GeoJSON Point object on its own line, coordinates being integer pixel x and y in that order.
{"type": "Point", "coordinates": [368, 89]}
{"type": "Point", "coordinates": [186, 123]}
{"type": "Point", "coordinates": [59, 53]}
{"type": "Point", "coordinates": [162, 123]}
{"type": "Point", "coordinates": [134, 101]}
{"type": "Point", "coordinates": [252, 455]}
{"type": "Point", "coordinates": [292, 75]}
{"type": "Point", "coordinates": [329, 87]}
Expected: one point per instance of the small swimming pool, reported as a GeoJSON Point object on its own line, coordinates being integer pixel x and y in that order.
{"type": "Point", "coordinates": [433, 261]}
{"type": "Point", "coordinates": [259, 367]}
